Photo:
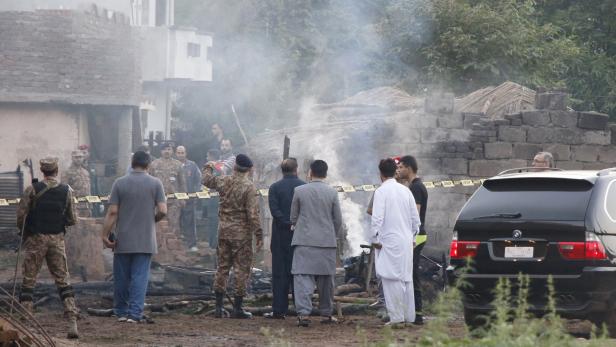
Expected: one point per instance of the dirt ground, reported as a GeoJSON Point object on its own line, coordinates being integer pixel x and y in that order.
{"type": "Point", "coordinates": [188, 330]}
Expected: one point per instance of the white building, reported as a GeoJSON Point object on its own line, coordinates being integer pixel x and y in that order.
{"type": "Point", "coordinates": [172, 57]}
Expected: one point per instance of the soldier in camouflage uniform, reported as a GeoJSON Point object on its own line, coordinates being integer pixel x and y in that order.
{"type": "Point", "coordinates": [170, 172]}
{"type": "Point", "coordinates": [239, 219]}
{"type": "Point", "coordinates": [44, 212]}
{"type": "Point", "coordinates": [78, 178]}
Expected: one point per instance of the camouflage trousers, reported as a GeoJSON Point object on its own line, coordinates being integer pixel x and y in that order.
{"type": "Point", "coordinates": [50, 248]}
{"type": "Point", "coordinates": [236, 254]}
{"type": "Point", "coordinates": [174, 212]}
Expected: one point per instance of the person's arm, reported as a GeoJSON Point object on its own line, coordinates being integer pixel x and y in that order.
{"type": "Point", "coordinates": [24, 207]}
{"type": "Point", "coordinates": [294, 209]}
{"type": "Point", "coordinates": [161, 202]}
{"type": "Point", "coordinates": [416, 222]}
{"type": "Point", "coordinates": [370, 205]}
{"type": "Point", "coordinates": [417, 195]}
{"type": "Point", "coordinates": [337, 215]}
{"type": "Point", "coordinates": [209, 179]}
{"type": "Point", "coordinates": [274, 206]}
{"type": "Point", "coordinates": [70, 208]}
{"type": "Point", "coordinates": [110, 221]}
{"type": "Point", "coordinates": [196, 178]}
{"type": "Point", "coordinates": [161, 211]}
{"type": "Point", "coordinates": [181, 180]}
{"type": "Point", "coordinates": [378, 217]}
{"type": "Point", "coordinates": [254, 221]}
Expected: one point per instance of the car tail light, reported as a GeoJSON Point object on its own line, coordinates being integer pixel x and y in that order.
{"type": "Point", "coordinates": [462, 249]}
{"type": "Point", "coordinates": [591, 249]}
{"type": "Point", "coordinates": [594, 247]}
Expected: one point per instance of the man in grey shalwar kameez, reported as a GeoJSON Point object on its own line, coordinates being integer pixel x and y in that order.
{"type": "Point", "coordinates": [317, 219]}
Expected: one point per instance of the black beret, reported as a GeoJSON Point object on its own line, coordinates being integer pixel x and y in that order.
{"type": "Point", "coordinates": [243, 161]}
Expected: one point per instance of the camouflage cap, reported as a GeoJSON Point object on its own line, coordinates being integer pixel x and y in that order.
{"type": "Point", "coordinates": [77, 153]}
{"type": "Point", "coordinates": [49, 163]}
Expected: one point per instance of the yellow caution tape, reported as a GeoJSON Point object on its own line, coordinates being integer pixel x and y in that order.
{"type": "Point", "coordinates": [203, 195]}
{"type": "Point", "coordinates": [93, 198]}
{"type": "Point", "coordinates": [348, 189]}
{"type": "Point", "coordinates": [181, 196]}
{"type": "Point", "coordinates": [207, 194]}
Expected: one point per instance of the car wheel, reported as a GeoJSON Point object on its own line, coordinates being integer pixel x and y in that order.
{"type": "Point", "coordinates": [473, 319]}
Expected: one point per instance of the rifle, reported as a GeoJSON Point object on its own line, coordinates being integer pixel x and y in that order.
{"type": "Point", "coordinates": [28, 162]}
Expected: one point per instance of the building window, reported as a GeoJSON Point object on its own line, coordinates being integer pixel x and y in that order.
{"type": "Point", "coordinates": [193, 50]}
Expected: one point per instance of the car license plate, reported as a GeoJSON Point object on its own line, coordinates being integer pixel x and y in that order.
{"type": "Point", "coordinates": [518, 252]}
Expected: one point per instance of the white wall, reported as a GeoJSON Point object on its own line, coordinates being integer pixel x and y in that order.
{"type": "Point", "coordinates": [36, 131]}
{"type": "Point", "coordinates": [197, 69]}
{"type": "Point", "coordinates": [165, 55]}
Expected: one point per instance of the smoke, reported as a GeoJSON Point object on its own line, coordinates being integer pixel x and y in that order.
{"type": "Point", "coordinates": [278, 63]}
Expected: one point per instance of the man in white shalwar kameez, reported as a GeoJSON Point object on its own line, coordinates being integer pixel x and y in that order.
{"type": "Point", "coordinates": [395, 223]}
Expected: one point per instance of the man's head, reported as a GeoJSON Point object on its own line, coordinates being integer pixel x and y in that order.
{"type": "Point", "coordinates": [407, 167]}
{"type": "Point", "coordinates": [180, 153]}
{"type": "Point", "coordinates": [318, 169]}
{"type": "Point", "coordinates": [166, 150]}
{"type": "Point", "coordinates": [543, 160]}
{"type": "Point", "coordinates": [216, 130]}
{"type": "Point", "coordinates": [213, 155]}
{"type": "Point", "coordinates": [141, 160]}
{"type": "Point", "coordinates": [226, 146]}
{"type": "Point", "coordinates": [289, 166]}
{"type": "Point", "coordinates": [49, 166]}
{"type": "Point", "coordinates": [78, 157]}
{"type": "Point", "coordinates": [243, 163]}
{"type": "Point", "coordinates": [387, 167]}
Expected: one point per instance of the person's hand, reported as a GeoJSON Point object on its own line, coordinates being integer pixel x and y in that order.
{"type": "Point", "coordinates": [377, 245]}
{"type": "Point", "coordinates": [210, 165]}
{"type": "Point", "coordinates": [292, 227]}
{"type": "Point", "coordinates": [108, 244]}
{"type": "Point", "coordinates": [259, 245]}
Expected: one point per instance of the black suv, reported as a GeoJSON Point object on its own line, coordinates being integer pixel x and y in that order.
{"type": "Point", "coordinates": [558, 223]}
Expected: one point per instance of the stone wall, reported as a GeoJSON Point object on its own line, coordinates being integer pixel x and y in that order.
{"type": "Point", "coordinates": [577, 140]}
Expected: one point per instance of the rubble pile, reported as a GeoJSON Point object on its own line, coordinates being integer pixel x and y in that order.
{"type": "Point", "coordinates": [84, 250]}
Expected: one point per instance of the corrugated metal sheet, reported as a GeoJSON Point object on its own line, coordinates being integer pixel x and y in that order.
{"type": "Point", "coordinates": [11, 187]}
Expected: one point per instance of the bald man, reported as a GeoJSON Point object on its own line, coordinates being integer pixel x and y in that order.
{"type": "Point", "coordinates": [193, 184]}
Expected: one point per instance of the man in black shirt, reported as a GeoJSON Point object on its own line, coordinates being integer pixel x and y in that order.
{"type": "Point", "coordinates": [407, 173]}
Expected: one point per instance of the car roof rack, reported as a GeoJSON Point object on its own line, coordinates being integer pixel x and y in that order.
{"type": "Point", "coordinates": [606, 171]}
{"type": "Point", "coordinates": [528, 169]}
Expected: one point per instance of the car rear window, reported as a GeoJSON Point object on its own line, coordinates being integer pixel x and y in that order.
{"type": "Point", "coordinates": [531, 198]}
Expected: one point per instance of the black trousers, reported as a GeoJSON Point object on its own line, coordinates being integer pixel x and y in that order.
{"type": "Point", "coordinates": [416, 280]}
{"type": "Point", "coordinates": [282, 280]}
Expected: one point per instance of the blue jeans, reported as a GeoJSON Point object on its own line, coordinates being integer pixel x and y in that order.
{"type": "Point", "coordinates": [131, 272]}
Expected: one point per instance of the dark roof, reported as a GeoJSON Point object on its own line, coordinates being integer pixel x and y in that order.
{"type": "Point", "coordinates": [68, 57]}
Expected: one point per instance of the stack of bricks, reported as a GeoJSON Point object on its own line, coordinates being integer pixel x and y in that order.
{"type": "Point", "coordinates": [84, 249]}
{"type": "Point", "coordinates": [169, 244]}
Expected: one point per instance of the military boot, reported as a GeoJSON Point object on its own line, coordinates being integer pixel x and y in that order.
{"type": "Point", "coordinates": [238, 311]}
{"type": "Point", "coordinates": [218, 312]}
{"type": "Point", "coordinates": [73, 333]}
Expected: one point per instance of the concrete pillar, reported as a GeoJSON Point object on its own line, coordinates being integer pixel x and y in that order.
{"type": "Point", "coordinates": [125, 139]}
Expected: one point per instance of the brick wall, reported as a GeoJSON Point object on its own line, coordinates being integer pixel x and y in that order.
{"type": "Point", "coordinates": [67, 56]}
